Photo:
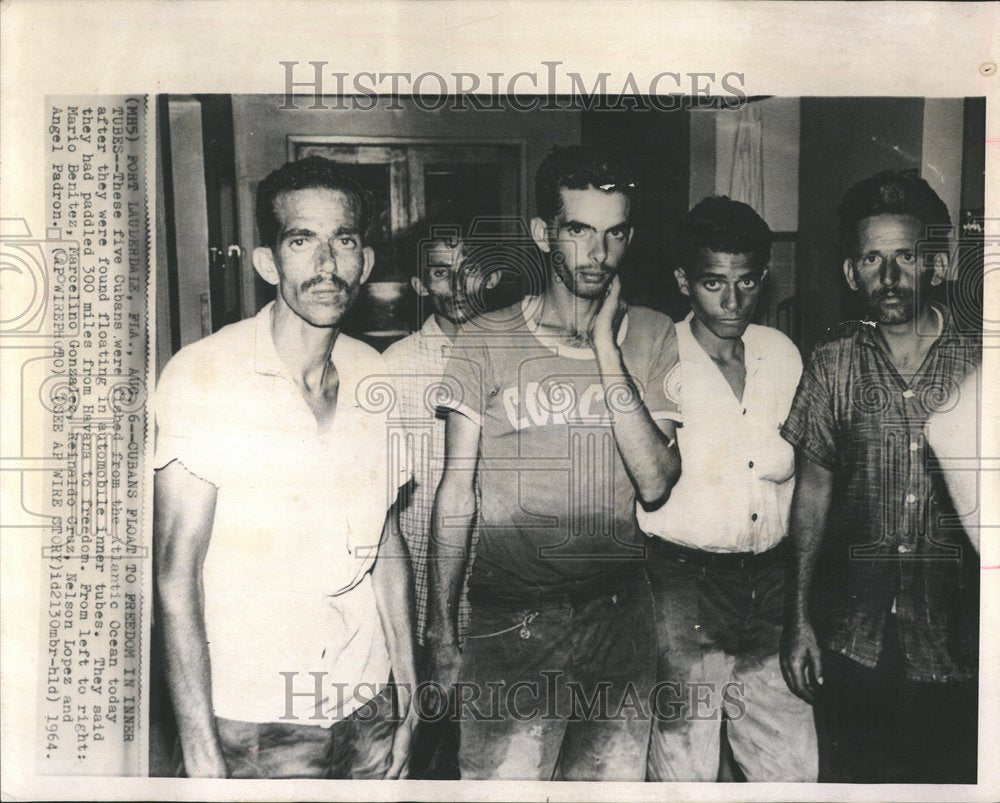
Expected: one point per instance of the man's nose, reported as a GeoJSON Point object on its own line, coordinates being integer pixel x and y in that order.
{"type": "Point", "coordinates": [730, 302]}
{"type": "Point", "coordinates": [598, 250]}
{"type": "Point", "coordinates": [327, 259]}
{"type": "Point", "coordinates": [889, 274]}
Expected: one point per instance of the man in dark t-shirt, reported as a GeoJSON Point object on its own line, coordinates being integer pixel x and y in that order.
{"type": "Point", "coordinates": [562, 402]}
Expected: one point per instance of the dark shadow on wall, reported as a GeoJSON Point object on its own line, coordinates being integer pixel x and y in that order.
{"type": "Point", "coordinates": [656, 143]}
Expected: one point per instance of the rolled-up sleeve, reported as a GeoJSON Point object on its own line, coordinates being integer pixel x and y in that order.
{"type": "Point", "coordinates": [184, 412]}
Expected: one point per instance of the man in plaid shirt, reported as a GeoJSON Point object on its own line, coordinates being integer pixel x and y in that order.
{"type": "Point", "coordinates": [451, 285]}
{"type": "Point", "coordinates": [884, 628]}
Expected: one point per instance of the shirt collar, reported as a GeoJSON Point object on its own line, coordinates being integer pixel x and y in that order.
{"type": "Point", "coordinates": [431, 338]}
{"type": "Point", "coordinates": [431, 328]}
{"type": "Point", "coordinates": [531, 308]}
{"type": "Point", "coordinates": [691, 350]}
{"type": "Point", "coordinates": [266, 360]}
{"type": "Point", "coordinates": [265, 355]}
{"type": "Point", "coordinates": [949, 328]}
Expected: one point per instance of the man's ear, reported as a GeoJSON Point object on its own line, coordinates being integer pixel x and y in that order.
{"type": "Point", "coordinates": [682, 281]}
{"type": "Point", "coordinates": [492, 280]}
{"type": "Point", "coordinates": [628, 238]}
{"type": "Point", "coordinates": [369, 257]}
{"type": "Point", "coordinates": [263, 263]}
{"type": "Point", "coordinates": [940, 268]}
{"type": "Point", "coordinates": [418, 286]}
{"type": "Point", "coordinates": [852, 282]}
{"type": "Point", "coordinates": [540, 234]}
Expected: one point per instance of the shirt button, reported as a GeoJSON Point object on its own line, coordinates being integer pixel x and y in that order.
{"type": "Point", "coordinates": [914, 446]}
{"type": "Point", "coordinates": [744, 411]}
{"type": "Point", "coordinates": [910, 499]}
{"type": "Point", "coordinates": [751, 464]}
{"type": "Point", "coordinates": [902, 549]}
{"type": "Point", "coordinates": [753, 517]}
{"type": "Point", "coordinates": [908, 394]}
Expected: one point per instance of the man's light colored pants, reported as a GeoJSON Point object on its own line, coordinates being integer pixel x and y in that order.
{"type": "Point", "coordinates": [718, 631]}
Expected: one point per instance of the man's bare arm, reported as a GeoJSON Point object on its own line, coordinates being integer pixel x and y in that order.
{"type": "Point", "coordinates": [800, 655]}
{"type": "Point", "coordinates": [450, 543]}
{"type": "Point", "coordinates": [184, 508]}
{"type": "Point", "coordinates": [648, 448]}
{"type": "Point", "coordinates": [953, 437]}
{"type": "Point", "coordinates": [392, 581]}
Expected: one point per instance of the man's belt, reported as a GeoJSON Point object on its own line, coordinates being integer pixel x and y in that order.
{"type": "Point", "coordinates": [575, 594]}
{"type": "Point", "coordinates": [725, 561]}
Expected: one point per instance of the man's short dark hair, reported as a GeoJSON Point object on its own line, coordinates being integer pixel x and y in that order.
{"type": "Point", "coordinates": [892, 192]}
{"type": "Point", "coordinates": [445, 222]}
{"type": "Point", "coordinates": [578, 167]}
{"type": "Point", "coordinates": [721, 224]}
{"type": "Point", "coordinates": [305, 174]}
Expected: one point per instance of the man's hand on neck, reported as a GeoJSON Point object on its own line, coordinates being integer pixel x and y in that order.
{"type": "Point", "coordinates": [604, 325]}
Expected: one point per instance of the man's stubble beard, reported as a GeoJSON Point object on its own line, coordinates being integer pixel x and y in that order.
{"type": "Point", "coordinates": [568, 278]}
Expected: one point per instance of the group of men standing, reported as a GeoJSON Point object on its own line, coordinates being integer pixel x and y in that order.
{"type": "Point", "coordinates": [571, 526]}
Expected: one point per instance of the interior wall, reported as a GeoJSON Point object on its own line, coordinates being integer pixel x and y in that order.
{"type": "Point", "coordinates": [974, 154]}
{"type": "Point", "coordinates": [261, 129]}
{"type": "Point", "coordinates": [941, 150]}
{"type": "Point", "coordinates": [701, 180]}
{"type": "Point", "coordinates": [780, 120]}
{"type": "Point", "coordinates": [656, 145]}
{"type": "Point", "coordinates": [713, 136]}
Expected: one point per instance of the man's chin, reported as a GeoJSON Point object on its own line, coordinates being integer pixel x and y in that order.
{"type": "Point", "coordinates": [326, 316]}
{"type": "Point", "coordinates": [891, 314]}
{"type": "Point", "coordinates": [590, 291]}
{"type": "Point", "coordinates": [457, 315]}
{"type": "Point", "coordinates": [729, 330]}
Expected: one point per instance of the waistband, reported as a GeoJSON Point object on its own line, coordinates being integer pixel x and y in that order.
{"type": "Point", "coordinates": [575, 594]}
{"type": "Point", "coordinates": [725, 561]}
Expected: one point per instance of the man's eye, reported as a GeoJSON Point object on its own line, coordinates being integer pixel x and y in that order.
{"type": "Point", "coordinates": [297, 243]}
{"type": "Point", "coordinates": [871, 259]}
{"type": "Point", "coordinates": [618, 234]}
{"type": "Point", "coordinates": [907, 257]}
{"type": "Point", "coordinates": [711, 284]}
{"type": "Point", "coordinates": [347, 242]}
{"type": "Point", "coordinates": [575, 230]}
{"type": "Point", "coordinates": [748, 284]}
{"type": "Point", "coordinates": [439, 273]}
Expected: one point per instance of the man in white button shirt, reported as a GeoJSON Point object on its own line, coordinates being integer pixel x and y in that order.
{"type": "Point", "coordinates": [271, 492]}
{"type": "Point", "coordinates": [717, 552]}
